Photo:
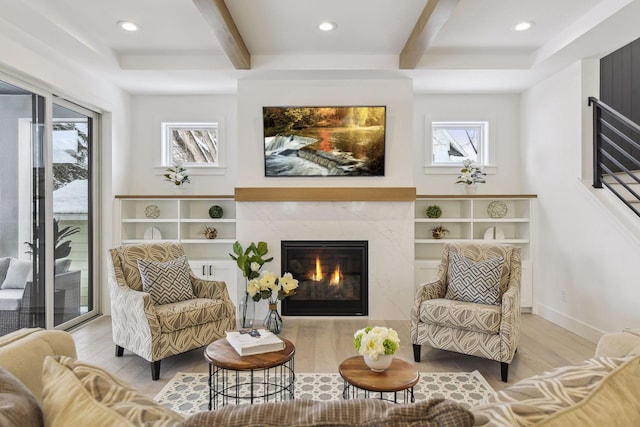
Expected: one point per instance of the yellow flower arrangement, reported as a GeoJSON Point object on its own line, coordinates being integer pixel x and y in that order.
{"type": "Point", "coordinates": [271, 287]}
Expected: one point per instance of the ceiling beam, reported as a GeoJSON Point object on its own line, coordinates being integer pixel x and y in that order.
{"type": "Point", "coordinates": [217, 15]}
{"type": "Point", "coordinates": [433, 17]}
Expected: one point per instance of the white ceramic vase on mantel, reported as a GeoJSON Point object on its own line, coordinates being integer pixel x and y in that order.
{"type": "Point", "coordinates": [379, 365]}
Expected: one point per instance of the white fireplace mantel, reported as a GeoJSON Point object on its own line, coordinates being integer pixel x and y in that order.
{"type": "Point", "coordinates": [382, 216]}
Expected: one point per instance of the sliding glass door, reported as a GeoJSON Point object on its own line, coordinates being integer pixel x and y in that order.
{"type": "Point", "coordinates": [46, 215]}
{"type": "Point", "coordinates": [22, 226]}
{"type": "Point", "coordinates": [72, 171]}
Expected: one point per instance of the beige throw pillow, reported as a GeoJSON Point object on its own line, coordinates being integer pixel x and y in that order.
{"type": "Point", "coordinates": [598, 392]}
{"type": "Point", "coordinates": [78, 394]}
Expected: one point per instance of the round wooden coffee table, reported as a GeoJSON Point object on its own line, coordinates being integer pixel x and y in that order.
{"type": "Point", "coordinates": [360, 381]}
{"type": "Point", "coordinates": [261, 376]}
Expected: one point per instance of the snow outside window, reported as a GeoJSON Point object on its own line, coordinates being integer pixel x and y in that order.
{"type": "Point", "coordinates": [192, 144]}
{"type": "Point", "coordinates": [453, 142]}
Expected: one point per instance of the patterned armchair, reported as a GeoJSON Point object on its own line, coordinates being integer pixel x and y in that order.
{"type": "Point", "coordinates": [470, 324]}
{"type": "Point", "coordinates": [154, 329]}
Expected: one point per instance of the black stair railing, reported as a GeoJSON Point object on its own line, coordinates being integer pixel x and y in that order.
{"type": "Point", "coordinates": [616, 153]}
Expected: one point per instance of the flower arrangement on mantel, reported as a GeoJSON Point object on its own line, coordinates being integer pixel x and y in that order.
{"type": "Point", "coordinates": [471, 173]}
{"type": "Point", "coordinates": [375, 341]}
{"type": "Point", "coordinates": [271, 287]}
{"type": "Point", "coordinates": [177, 174]}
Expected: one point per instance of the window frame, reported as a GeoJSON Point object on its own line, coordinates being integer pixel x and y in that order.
{"type": "Point", "coordinates": [486, 149]}
{"type": "Point", "coordinates": [167, 141]}
{"type": "Point", "coordinates": [165, 152]}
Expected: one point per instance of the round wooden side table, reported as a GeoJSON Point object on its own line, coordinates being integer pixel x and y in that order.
{"type": "Point", "coordinates": [261, 376]}
{"type": "Point", "coordinates": [360, 381]}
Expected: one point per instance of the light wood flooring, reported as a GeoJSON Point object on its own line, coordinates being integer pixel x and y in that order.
{"type": "Point", "coordinates": [321, 344]}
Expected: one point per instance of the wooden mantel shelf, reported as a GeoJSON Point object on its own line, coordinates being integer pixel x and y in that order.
{"type": "Point", "coordinates": [325, 194]}
{"type": "Point", "coordinates": [328, 194]}
{"type": "Point", "coordinates": [477, 196]}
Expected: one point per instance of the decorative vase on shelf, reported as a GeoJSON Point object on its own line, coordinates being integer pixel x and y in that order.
{"type": "Point", "coordinates": [471, 188]}
{"type": "Point", "coordinates": [273, 321]}
{"type": "Point", "coordinates": [216, 211]}
{"type": "Point", "coordinates": [379, 365]}
{"type": "Point", "coordinates": [246, 311]}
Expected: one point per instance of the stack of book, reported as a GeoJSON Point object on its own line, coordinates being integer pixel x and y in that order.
{"type": "Point", "coordinates": [247, 342]}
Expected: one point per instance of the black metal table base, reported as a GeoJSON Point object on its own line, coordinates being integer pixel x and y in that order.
{"type": "Point", "coordinates": [352, 392]}
{"type": "Point", "coordinates": [251, 386]}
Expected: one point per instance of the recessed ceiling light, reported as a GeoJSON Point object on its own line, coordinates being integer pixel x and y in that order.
{"type": "Point", "coordinates": [128, 25]}
{"type": "Point", "coordinates": [524, 25]}
{"type": "Point", "coordinates": [327, 26]}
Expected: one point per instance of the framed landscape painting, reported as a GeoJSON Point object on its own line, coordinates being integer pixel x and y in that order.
{"type": "Point", "coordinates": [324, 141]}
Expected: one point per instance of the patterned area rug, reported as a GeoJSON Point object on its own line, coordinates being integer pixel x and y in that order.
{"type": "Point", "coordinates": [188, 393]}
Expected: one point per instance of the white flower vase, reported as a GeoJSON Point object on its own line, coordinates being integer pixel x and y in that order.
{"type": "Point", "coordinates": [471, 188]}
{"type": "Point", "coordinates": [380, 365]}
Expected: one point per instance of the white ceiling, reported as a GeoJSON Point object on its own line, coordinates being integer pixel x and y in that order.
{"type": "Point", "coordinates": [177, 52]}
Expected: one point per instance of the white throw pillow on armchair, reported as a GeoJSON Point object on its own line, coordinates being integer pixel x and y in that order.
{"type": "Point", "coordinates": [17, 275]}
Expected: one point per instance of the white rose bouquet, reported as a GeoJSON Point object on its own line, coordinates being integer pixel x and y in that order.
{"type": "Point", "coordinates": [374, 341]}
{"type": "Point", "coordinates": [271, 287]}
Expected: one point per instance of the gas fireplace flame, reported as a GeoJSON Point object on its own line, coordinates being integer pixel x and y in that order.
{"type": "Point", "coordinates": [317, 276]}
{"type": "Point", "coordinates": [335, 277]}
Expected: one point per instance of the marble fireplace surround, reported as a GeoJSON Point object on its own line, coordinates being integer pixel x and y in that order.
{"type": "Point", "coordinates": [382, 215]}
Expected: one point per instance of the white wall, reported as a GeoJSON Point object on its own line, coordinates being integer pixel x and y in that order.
{"type": "Point", "coordinates": [387, 226]}
{"type": "Point", "coordinates": [334, 90]}
{"type": "Point", "coordinates": [501, 111]}
{"type": "Point", "coordinates": [586, 263]}
{"type": "Point", "coordinates": [148, 112]}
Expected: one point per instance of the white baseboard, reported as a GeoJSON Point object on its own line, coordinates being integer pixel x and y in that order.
{"type": "Point", "coordinates": [576, 326]}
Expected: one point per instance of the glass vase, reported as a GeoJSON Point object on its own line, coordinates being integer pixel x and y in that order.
{"type": "Point", "coordinates": [273, 321]}
{"type": "Point", "coordinates": [246, 311]}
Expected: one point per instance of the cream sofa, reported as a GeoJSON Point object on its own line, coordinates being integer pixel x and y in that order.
{"type": "Point", "coordinates": [38, 388]}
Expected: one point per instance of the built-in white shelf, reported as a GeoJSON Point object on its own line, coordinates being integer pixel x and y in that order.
{"type": "Point", "coordinates": [182, 219]}
{"type": "Point", "coordinates": [467, 219]}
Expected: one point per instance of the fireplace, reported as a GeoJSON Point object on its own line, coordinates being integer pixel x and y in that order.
{"type": "Point", "coordinates": [332, 277]}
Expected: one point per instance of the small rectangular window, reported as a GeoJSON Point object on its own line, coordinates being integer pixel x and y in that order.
{"type": "Point", "coordinates": [453, 142]}
{"type": "Point", "coordinates": [193, 144]}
